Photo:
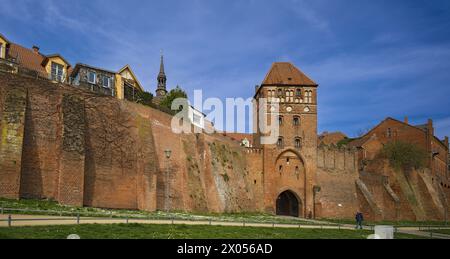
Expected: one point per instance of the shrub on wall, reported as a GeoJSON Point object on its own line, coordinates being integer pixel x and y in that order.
{"type": "Point", "coordinates": [173, 95]}
{"type": "Point", "coordinates": [404, 155]}
{"type": "Point", "coordinates": [144, 98]}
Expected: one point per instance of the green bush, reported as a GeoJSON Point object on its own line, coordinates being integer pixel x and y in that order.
{"type": "Point", "coordinates": [144, 98]}
{"type": "Point", "coordinates": [346, 141]}
{"type": "Point", "coordinates": [404, 155]}
{"type": "Point", "coordinates": [173, 95]}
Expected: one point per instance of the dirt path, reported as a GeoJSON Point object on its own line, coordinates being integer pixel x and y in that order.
{"type": "Point", "coordinates": [34, 220]}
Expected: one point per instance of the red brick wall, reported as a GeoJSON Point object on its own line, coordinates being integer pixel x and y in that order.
{"type": "Point", "coordinates": [42, 140]}
{"type": "Point", "coordinates": [71, 176]}
{"type": "Point", "coordinates": [113, 157]}
{"type": "Point", "coordinates": [11, 139]}
{"type": "Point", "coordinates": [336, 175]}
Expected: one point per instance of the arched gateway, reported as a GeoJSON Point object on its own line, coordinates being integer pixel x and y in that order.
{"type": "Point", "coordinates": [288, 204]}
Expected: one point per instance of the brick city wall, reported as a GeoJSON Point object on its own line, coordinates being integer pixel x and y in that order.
{"type": "Point", "coordinates": [72, 157]}
{"type": "Point", "coordinates": [73, 146]}
{"type": "Point", "coordinates": [336, 175]}
{"type": "Point", "coordinates": [80, 148]}
{"type": "Point", "coordinates": [11, 140]}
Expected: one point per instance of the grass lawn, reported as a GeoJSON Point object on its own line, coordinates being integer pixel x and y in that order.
{"type": "Point", "coordinates": [137, 231]}
{"type": "Point", "coordinates": [53, 208]}
{"type": "Point", "coordinates": [442, 231]}
{"type": "Point", "coordinates": [392, 223]}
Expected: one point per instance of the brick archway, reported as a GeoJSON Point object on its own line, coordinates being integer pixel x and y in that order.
{"type": "Point", "coordinates": [289, 204]}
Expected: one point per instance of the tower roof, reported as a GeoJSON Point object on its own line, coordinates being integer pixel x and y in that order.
{"type": "Point", "coordinates": [285, 73]}
{"type": "Point", "coordinates": [161, 67]}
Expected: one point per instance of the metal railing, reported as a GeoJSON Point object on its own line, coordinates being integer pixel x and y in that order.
{"type": "Point", "coordinates": [79, 217]}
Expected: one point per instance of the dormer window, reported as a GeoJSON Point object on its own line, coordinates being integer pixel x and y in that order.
{"type": "Point", "coordinates": [92, 76]}
{"type": "Point", "coordinates": [57, 72]}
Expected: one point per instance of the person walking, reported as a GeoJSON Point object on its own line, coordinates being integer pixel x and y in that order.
{"type": "Point", "coordinates": [359, 220]}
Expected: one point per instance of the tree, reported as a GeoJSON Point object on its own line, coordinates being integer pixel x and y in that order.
{"type": "Point", "coordinates": [173, 95]}
{"type": "Point", "coordinates": [144, 98]}
{"type": "Point", "coordinates": [404, 155]}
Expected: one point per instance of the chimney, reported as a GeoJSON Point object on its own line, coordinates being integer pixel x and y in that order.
{"type": "Point", "coordinates": [35, 49]}
{"type": "Point", "coordinates": [406, 120]}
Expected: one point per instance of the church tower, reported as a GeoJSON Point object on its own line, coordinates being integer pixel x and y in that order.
{"type": "Point", "coordinates": [161, 90]}
{"type": "Point", "coordinates": [289, 164]}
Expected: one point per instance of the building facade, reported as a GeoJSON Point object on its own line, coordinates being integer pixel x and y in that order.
{"type": "Point", "coordinates": [391, 130]}
{"type": "Point", "coordinates": [290, 164]}
{"type": "Point", "coordinates": [94, 79]}
{"type": "Point", "coordinates": [83, 149]}
{"type": "Point", "coordinates": [15, 58]}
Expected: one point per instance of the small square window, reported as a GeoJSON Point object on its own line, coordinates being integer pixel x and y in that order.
{"type": "Point", "coordinates": [106, 82]}
{"type": "Point", "coordinates": [92, 76]}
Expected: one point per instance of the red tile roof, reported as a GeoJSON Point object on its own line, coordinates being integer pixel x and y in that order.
{"type": "Point", "coordinates": [285, 73]}
{"type": "Point", "coordinates": [28, 58]}
{"type": "Point", "coordinates": [239, 136]}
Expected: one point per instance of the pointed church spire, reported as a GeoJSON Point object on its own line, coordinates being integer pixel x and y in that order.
{"type": "Point", "coordinates": [161, 68]}
{"type": "Point", "coordinates": [161, 90]}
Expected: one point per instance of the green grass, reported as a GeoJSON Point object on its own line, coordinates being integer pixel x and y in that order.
{"type": "Point", "coordinates": [392, 223]}
{"type": "Point", "coordinates": [45, 207]}
{"type": "Point", "coordinates": [442, 231]}
{"type": "Point", "coordinates": [137, 231]}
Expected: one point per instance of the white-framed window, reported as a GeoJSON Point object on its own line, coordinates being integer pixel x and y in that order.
{"type": "Point", "coordinates": [92, 77]}
{"type": "Point", "coordinates": [57, 72]}
{"type": "Point", "coordinates": [196, 117]}
{"type": "Point", "coordinates": [106, 81]}
{"type": "Point", "coordinates": [1, 50]}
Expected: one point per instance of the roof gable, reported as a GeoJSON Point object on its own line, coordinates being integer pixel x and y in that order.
{"type": "Point", "coordinates": [49, 57]}
{"type": "Point", "coordinates": [359, 142]}
{"type": "Point", "coordinates": [4, 38]}
{"type": "Point", "coordinates": [128, 68]}
{"type": "Point", "coordinates": [285, 73]}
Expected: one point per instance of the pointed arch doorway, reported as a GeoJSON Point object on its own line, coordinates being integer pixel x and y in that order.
{"type": "Point", "coordinates": [288, 204]}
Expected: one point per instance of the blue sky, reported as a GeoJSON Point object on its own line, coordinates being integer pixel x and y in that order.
{"type": "Point", "coordinates": [372, 59]}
